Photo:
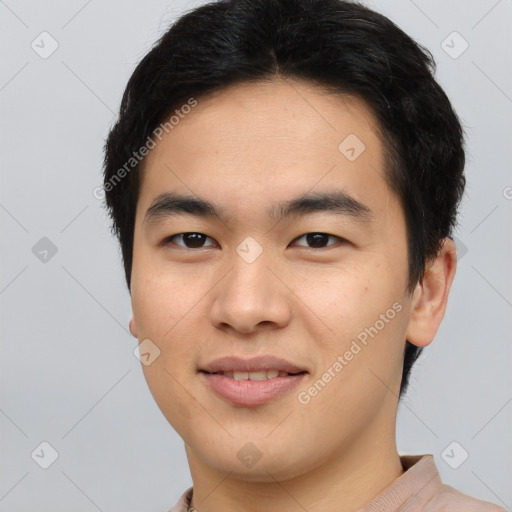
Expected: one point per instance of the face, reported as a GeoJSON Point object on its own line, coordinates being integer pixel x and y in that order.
{"type": "Point", "coordinates": [321, 285]}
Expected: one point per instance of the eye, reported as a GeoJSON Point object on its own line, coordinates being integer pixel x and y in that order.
{"type": "Point", "coordinates": [191, 240]}
{"type": "Point", "coordinates": [319, 239]}
{"type": "Point", "coordinates": [195, 240]}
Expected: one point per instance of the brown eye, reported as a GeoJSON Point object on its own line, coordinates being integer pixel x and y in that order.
{"type": "Point", "coordinates": [190, 240]}
{"type": "Point", "coordinates": [318, 240]}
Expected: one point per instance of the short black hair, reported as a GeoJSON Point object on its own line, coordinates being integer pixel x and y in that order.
{"type": "Point", "coordinates": [342, 46]}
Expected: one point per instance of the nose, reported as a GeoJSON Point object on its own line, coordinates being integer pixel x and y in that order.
{"type": "Point", "coordinates": [252, 296]}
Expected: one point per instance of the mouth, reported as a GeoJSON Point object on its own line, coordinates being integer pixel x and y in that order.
{"type": "Point", "coordinates": [251, 382]}
{"type": "Point", "coordinates": [255, 368]}
{"type": "Point", "coordinates": [251, 388]}
{"type": "Point", "coordinates": [255, 376]}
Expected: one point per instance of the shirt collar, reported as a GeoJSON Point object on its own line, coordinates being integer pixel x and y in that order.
{"type": "Point", "coordinates": [419, 482]}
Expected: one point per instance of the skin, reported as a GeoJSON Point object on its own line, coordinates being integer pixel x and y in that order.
{"type": "Point", "coordinates": [244, 149]}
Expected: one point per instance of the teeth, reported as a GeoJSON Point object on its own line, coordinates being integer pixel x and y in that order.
{"type": "Point", "coordinates": [263, 375]}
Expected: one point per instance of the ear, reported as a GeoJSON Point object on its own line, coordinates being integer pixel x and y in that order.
{"type": "Point", "coordinates": [133, 328]}
{"type": "Point", "coordinates": [430, 296]}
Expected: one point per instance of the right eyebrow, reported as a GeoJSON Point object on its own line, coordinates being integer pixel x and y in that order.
{"type": "Point", "coordinates": [171, 204]}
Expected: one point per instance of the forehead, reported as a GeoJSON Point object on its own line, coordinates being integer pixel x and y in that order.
{"type": "Point", "coordinates": [267, 140]}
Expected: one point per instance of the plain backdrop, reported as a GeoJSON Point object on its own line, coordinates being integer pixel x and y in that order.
{"type": "Point", "coordinates": [68, 374]}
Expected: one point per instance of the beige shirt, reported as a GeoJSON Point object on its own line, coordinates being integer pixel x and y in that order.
{"type": "Point", "coordinates": [418, 489]}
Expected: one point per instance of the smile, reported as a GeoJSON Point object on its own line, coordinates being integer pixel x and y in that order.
{"type": "Point", "coordinates": [260, 375]}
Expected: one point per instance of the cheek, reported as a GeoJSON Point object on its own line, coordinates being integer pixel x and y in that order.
{"type": "Point", "coordinates": [168, 386]}
{"type": "Point", "coordinates": [159, 296]}
{"type": "Point", "coordinates": [365, 310]}
{"type": "Point", "coordinates": [349, 296]}
{"type": "Point", "coordinates": [166, 306]}
{"type": "Point", "coordinates": [151, 306]}
{"type": "Point", "coordinates": [164, 315]}
{"type": "Point", "coordinates": [361, 367]}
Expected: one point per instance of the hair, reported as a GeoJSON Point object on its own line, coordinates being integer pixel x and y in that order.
{"type": "Point", "coordinates": [342, 46]}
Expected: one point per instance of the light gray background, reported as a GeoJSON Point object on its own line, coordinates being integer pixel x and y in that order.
{"type": "Point", "coordinates": [68, 373]}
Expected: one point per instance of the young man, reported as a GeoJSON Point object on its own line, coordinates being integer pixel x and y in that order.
{"type": "Point", "coordinates": [284, 179]}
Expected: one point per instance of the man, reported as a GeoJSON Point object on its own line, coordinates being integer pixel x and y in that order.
{"type": "Point", "coordinates": [284, 179]}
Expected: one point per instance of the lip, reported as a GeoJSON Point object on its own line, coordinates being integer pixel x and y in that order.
{"type": "Point", "coordinates": [253, 364]}
{"type": "Point", "coordinates": [250, 393]}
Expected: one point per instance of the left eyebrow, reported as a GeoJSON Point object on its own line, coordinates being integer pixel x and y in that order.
{"type": "Point", "coordinates": [337, 202]}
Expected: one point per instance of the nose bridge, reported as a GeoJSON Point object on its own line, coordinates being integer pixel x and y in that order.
{"type": "Point", "coordinates": [250, 293]}
{"type": "Point", "coordinates": [250, 270]}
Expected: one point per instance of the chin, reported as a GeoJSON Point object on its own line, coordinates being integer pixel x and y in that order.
{"type": "Point", "coordinates": [250, 464]}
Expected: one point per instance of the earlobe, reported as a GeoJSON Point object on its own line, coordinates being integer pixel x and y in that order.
{"type": "Point", "coordinates": [133, 328]}
{"type": "Point", "coordinates": [430, 297]}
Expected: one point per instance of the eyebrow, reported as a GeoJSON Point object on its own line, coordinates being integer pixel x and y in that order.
{"type": "Point", "coordinates": [337, 202]}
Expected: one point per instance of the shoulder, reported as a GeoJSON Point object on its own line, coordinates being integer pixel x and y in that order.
{"type": "Point", "coordinates": [448, 499]}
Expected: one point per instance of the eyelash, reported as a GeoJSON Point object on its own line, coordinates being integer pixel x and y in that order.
{"type": "Point", "coordinates": [168, 240]}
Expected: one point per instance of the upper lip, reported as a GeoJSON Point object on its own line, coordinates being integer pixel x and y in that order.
{"type": "Point", "coordinates": [254, 364]}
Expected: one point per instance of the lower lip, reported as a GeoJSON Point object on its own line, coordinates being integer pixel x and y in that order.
{"type": "Point", "coordinates": [251, 392]}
